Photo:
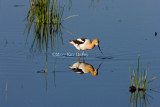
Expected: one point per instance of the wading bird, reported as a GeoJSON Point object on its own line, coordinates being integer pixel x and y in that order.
{"type": "Point", "coordinates": [85, 44]}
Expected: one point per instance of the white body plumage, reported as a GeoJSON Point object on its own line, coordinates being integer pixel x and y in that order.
{"type": "Point", "coordinates": [81, 44]}
{"type": "Point", "coordinates": [85, 44]}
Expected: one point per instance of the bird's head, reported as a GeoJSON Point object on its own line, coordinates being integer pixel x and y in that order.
{"type": "Point", "coordinates": [96, 41]}
{"type": "Point", "coordinates": [94, 73]}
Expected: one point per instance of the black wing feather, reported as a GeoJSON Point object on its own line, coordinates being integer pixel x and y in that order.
{"type": "Point", "coordinates": [78, 70]}
{"type": "Point", "coordinates": [77, 42]}
{"type": "Point", "coordinates": [83, 39]}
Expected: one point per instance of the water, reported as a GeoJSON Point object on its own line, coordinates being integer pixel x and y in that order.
{"type": "Point", "coordinates": [125, 29]}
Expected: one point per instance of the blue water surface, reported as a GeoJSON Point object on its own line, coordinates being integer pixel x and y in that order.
{"type": "Point", "coordinates": [125, 30]}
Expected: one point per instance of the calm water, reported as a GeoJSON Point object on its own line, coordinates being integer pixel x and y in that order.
{"type": "Point", "coordinates": [125, 29]}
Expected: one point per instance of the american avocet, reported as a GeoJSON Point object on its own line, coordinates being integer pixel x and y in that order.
{"type": "Point", "coordinates": [85, 44]}
{"type": "Point", "coordinates": [81, 68]}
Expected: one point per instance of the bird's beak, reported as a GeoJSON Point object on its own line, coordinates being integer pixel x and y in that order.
{"type": "Point", "coordinates": [99, 67]}
{"type": "Point", "coordinates": [100, 49]}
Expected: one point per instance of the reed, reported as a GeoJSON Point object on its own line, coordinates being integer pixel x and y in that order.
{"type": "Point", "coordinates": [45, 19]}
{"type": "Point", "coordinates": [139, 83]}
{"type": "Point", "coordinates": [138, 78]}
{"type": "Point", "coordinates": [45, 16]}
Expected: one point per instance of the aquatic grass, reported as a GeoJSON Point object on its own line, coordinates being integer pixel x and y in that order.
{"type": "Point", "coordinates": [69, 5]}
{"type": "Point", "coordinates": [45, 16]}
{"type": "Point", "coordinates": [139, 83]}
{"type": "Point", "coordinates": [93, 4]}
{"type": "Point", "coordinates": [138, 78]}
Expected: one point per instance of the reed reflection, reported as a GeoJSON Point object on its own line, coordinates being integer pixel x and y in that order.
{"type": "Point", "coordinates": [82, 68]}
{"type": "Point", "coordinates": [139, 99]}
{"type": "Point", "coordinates": [6, 90]}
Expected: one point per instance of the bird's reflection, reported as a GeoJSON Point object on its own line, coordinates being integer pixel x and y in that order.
{"type": "Point", "coordinates": [82, 67]}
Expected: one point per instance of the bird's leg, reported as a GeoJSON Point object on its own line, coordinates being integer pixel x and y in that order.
{"type": "Point", "coordinates": [79, 53]}
{"type": "Point", "coordinates": [83, 53]}
{"type": "Point", "coordinates": [83, 56]}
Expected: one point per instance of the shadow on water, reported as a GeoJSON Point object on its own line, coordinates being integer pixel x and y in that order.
{"type": "Point", "coordinates": [18, 5]}
{"type": "Point", "coordinates": [45, 19]}
{"type": "Point", "coordinates": [103, 57]}
{"type": "Point", "coordinates": [82, 68]}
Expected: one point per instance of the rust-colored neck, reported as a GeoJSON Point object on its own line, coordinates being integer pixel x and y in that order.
{"type": "Point", "coordinates": [91, 45]}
